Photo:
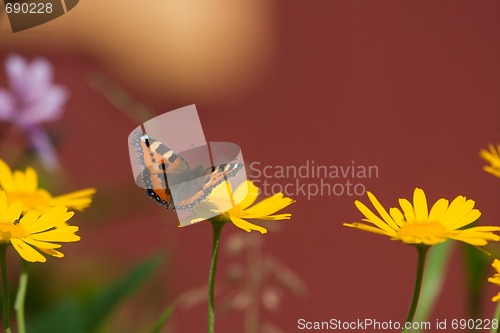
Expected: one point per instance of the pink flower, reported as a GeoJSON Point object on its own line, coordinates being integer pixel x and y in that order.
{"type": "Point", "coordinates": [31, 101]}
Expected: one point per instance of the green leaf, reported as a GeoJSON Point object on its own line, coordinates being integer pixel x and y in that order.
{"type": "Point", "coordinates": [64, 317]}
{"type": "Point", "coordinates": [164, 317]}
{"type": "Point", "coordinates": [104, 302]}
{"type": "Point", "coordinates": [496, 316]}
{"type": "Point", "coordinates": [85, 316]}
{"type": "Point", "coordinates": [476, 269]}
{"type": "Point", "coordinates": [435, 272]}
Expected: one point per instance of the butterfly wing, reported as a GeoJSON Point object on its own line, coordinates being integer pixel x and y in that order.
{"type": "Point", "coordinates": [157, 160]}
{"type": "Point", "coordinates": [193, 185]}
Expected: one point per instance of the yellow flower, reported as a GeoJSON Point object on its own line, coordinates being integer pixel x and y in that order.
{"type": "Point", "coordinates": [416, 225]}
{"type": "Point", "coordinates": [238, 214]}
{"type": "Point", "coordinates": [493, 157]}
{"type": "Point", "coordinates": [496, 278]}
{"type": "Point", "coordinates": [23, 187]}
{"type": "Point", "coordinates": [34, 231]}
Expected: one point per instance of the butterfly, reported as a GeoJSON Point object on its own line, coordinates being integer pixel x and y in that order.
{"type": "Point", "coordinates": [192, 185]}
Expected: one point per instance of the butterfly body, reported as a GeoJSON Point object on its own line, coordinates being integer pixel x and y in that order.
{"type": "Point", "coordinates": [170, 181]}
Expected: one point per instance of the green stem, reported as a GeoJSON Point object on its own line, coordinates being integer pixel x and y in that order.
{"type": "Point", "coordinates": [496, 317]}
{"type": "Point", "coordinates": [422, 254]}
{"type": "Point", "coordinates": [217, 228]}
{"type": "Point", "coordinates": [20, 297]}
{"type": "Point", "coordinates": [5, 288]}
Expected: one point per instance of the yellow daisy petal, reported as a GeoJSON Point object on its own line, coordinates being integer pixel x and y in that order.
{"type": "Point", "coordinates": [374, 218]}
{"type": "Point", "coordinates": [486, 156]}
{"type": "Point", "coordinates": [52, 252]}
{"type": "Point", "coordinates": [23, 186]}
{"type": "Point", "coordinates": [365, 227]}
{"type": "Point", "coordinates": [484, 238]}
{"type": "Point", "coordinates": [478, 232]}
{"type": "Point", "coordinates": [196, 220]}
{"type": "Point", "coordinates": [246, 209]}
{"type": "Point", "coordinates": [19, 179]}
{"type": "Point", "coordinates": [3, 205]}
{"type": "Point", "coordinates": [247, 226]}
{"type": "Point", "coordinates": [381, 210]}
{"type": "Point", "coordinates": [485, 228]}
{"type": "Point", "coordinates": [40, 245]}
{"type": "Point", "coordinates": [438, 210]}
{"type": "Point", "coordinates": [246, 199]}
{"type": "Point", "coordinates": [62, 235]}
{"type": "Point", "coordinates": [397, 216]}
{"type": "Point", "coordinates": [420, 205]}
{"type": "Point", "coordinates": [455, 205]}
{"type": "Point", "coordinates": [276, 217]}
{"type": "Point", "coordinates": [493, 171]}
{"type": "Point", "coordinates": [221, 191]}
{"type": "Point", "coordinates": [31, 180]}
{"type": "Point", "coordinates": [53, 218]}
{"type": "Point", "coordinates": [14, 211]}
{"type": "Point", "coordinates": [493, 150]}
{"type": "Point", "coordinates": [269, 205]}
{"type": "Point", "coordinates": [407, 210]}
{"type": "Point", "coordinates": [471, 216]}
{"type": "Point", "coordinates": [469, 240]}
{"type": "Point", "coordinates": [27, 252]}
{"type": "Point", "coordinates": [492, 156]}
{"type": "Point", "coordinates": [76, 200]}
{"type": "Point", "coordinates": [459, 212]}
{"type": "Point", "coordinates": [6, 181]}
{"type": "Point", "coordinates": [29, 218]}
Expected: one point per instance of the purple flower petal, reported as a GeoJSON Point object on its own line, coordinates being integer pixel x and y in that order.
{"type": "Point", "coordinates": [43, 146]}
{"type": "Point", "coordinates": [38, 80]}
{"type": "Point", "coordinates": [32, 100]}
{"type": "Point", "coordinates": [29, 81]}
{"type": "Point", "coordinates": [7, 105]}
{"type": "Point", "coordinates": [15, 66]}
{"type": "Point", "coordinates": [48, 108]}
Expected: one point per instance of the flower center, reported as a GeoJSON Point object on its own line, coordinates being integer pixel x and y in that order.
{"type": "Point", "coordinates": [9, 230]}
{"type": "Point", "coordinates": [421, 230]}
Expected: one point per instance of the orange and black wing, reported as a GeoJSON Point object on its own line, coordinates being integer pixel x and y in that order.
{"type": "Point", "coordinates": [157, 160]}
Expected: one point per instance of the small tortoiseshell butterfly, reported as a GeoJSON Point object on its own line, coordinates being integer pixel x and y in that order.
{"type": "Point", "coordinates": [193, 185]}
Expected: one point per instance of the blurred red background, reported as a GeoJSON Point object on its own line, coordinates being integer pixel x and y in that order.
{"type": "Point", "coordinates": [411, 87]}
